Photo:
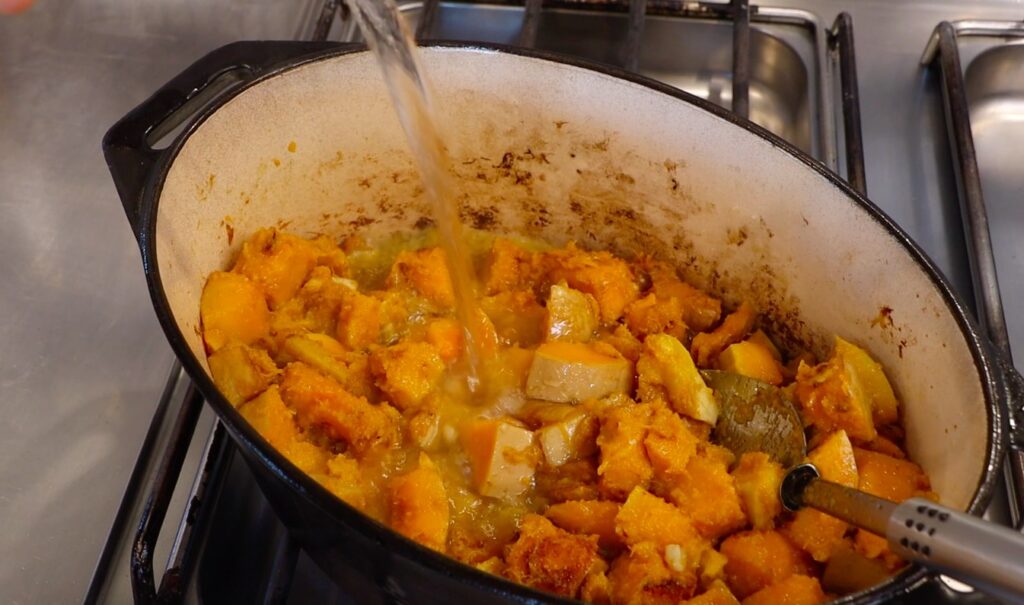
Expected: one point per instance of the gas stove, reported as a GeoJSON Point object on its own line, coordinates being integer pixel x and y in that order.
{"type": "Point", "coordinates": [920, 104]}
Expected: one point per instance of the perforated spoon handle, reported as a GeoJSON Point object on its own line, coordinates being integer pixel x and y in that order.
{"type": "Point", "coordinates": [987, 556]}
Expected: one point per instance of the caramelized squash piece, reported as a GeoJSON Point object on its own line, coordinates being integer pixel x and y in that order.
{"type": "Point", "coordinates": [359, 321]}
{"type": "Point", "coordinates": [816, 532]}
{"type": "Point", "coordinates": [716, 594]}
{"type": "Point", "coordinates": [272, 419]}
{"type": "Point", "coordinates": [320, 402]}
{"type": "Point", "coordinates": [241, 372]}
{"type": "Point", "coordinates": [652, 315]}
{"type": "Point", "coordinates": [502, 455]}
{"type": "Point", "coordinates": [884, 407]}
{"type": "Point", "coordinates": [328, 357]}
{"type": "Point", "coordinates": [419, 505]}
{"type": "Point", "coordinates": [509, 267]}
{"type": "Point", "coordinates": [667, 373]}
{"type": "Point", "coordinates": [708, 345]}
{"type": "Point", "coordinates": [232, 308]}
{"type": "Point", "coordinates": [588, 517]}
{"type": "Point", "coordinates": [566, 372]}
{"type": "Point", "coordinates": [624, 463]}
{"type": "Point", "coordinates": [647, 518]}
{"type": "Point", "coordinates": [426, 272]}
{"type": "Point", "coordinates": [569, 438]}
{"type": "Point", "coordinates": [707, 494]}
{"type": "Point", "coordinates": [278, 263]}
{"type": "Point", "coordinates": [407, 372]}
{"type": "Point", "coordinates": [831, 397]}
{"type": "Point", "coordinates": [607, 278]}
{"type": "Point", "coordinates": [645, 576]}
{"type": "Point", "coordinates": [551, 559]}
{"type": "Point", "coordinates": [700, 311]}
{"type": "Point", "coordinates": [669, 444]}
{"type": "Point", "coordinates": [570, 315]}
{"type": "Point", "coordinates": [751, 359]}
{"type": "Point", "coordinates": [758, 559]}
{"type": "Point", "coordinates": [797, 589]}
{"type": "Point", "coordinates": [343, 477]}
{"type": "Point", "coordinates": [758, 479]}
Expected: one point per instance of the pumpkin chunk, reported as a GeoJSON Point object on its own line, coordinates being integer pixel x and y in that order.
{"type": "Point", "coordinates": [757, 480]}
{"type": "Point", "coordinates": [707, 494]}
{"type": "Point", "coordinates": [795, 590]}
{"type": "Point", "coordinates": [278, 263]}
{"type": "Point", "coordinates": [570, 315]}
{"type": "Point", "coordinates": [647, 518]}
{"type": "Point", "coordinates": [667, 373]}
{"type": "Point", "coordinates": [831, 397]}
{"type": "Point", "coordinates": [700, 311]}
{"type": "Point", "coordinates": [716, 594]}
{"type": "Point", "coordinates": [624, 463]}
{"type": "Point", "coordinates": [884, 407]}
{"type": "Point", "coordinates": [407, 372]}
{"type": "Point", "coordinates": [564, 371]}
{"type": "Point", "coordinates": [651, 315]}
{"type": "Point", "coordinates": [758, 559]}
{"type": "Point", "coordinates": [588, 517]}
{"type": "Point", "coordinates": [419, 505]}
{"type": "Point", "coordinates": [707, 345]}
{"type": "Point", "coordinates": [232, 308]}
{"type": "Point", "coordinates": [502, 456]}
{"type": "Point", "coordinates": [551, 559]}
{"type": "Point", "coordinates": [320, 402]}
{"type": "Point", "coordinates": [651, 574]}
{"type": "Point", "coordinates": [241, 372]}
{"type": "Point", "coordinates": [751, 359]}
{"type": "Point", "coordinates": [426, 272]}
{"type": "Point", "coordinates": [607, 278]}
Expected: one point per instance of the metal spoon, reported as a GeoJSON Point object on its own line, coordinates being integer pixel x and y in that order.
{"type": "Point", "coordinates": [756, 416]}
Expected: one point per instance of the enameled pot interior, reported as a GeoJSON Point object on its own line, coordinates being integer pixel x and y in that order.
{"type": "Point", "coordinates": [562, 153]}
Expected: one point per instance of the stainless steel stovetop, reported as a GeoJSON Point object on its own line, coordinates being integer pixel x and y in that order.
{"type": "Point", "coordinates": [84, 362]}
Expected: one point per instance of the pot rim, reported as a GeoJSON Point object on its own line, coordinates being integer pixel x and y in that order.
{"type": "Point", "coordinates": [905, 581]}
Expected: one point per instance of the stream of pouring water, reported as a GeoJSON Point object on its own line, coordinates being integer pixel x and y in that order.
{"type": "Point", "coordinates": [388, 37]}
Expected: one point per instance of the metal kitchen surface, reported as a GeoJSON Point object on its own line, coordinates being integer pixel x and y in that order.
{"type": "Point", "coordinates": [84, 362]}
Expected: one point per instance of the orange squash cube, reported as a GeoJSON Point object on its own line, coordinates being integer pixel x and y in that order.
{"type": "Point", "coordinates": [419, 505]}
{"type": "Point", "coordinates": [407, 372]}
{"type": "Point", "coordinates": [425, 271]}
{"type": "Point", "coordinates": [588, 517]}
{"type": "Point", "coordinates": [757, 479]}
{"type": "Point", "coordinates": [551, 559]}
{"type": "Point", "coordinates": [232, 308]}
{"type": "Point", "coordinates": [707, 346]}
{"type": "Point", "coordinates": [707, 494]}
{"type": "Point", "coordinates": [624, 464]}
{"type": "Point", "coordinates": [278, 263]}
{"type": "Point", "coordinates": [502, 456]}
{"type": "Point", "coordinates": [241, 372]}
{"type": "Point", "coordinates": [795, 590]}
{"type": "Point", "coordinates": [751, 359]}
{"type": "Point", "coordinates": [816, 532]}
{"type": "Point", "coordinates": [758, 559]}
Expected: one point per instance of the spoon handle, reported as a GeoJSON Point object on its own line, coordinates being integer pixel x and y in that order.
{"type": "Point", "coordinates": [987, 556]}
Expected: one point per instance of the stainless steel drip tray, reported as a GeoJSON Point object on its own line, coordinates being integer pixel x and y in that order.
{"type": "Point", "coordinates": [994, 83]}
{"type": "Point", "coordinates": [694, 54]}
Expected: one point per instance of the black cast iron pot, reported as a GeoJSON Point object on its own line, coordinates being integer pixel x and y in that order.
{"type": "Point", "coordinates": [303, 135]}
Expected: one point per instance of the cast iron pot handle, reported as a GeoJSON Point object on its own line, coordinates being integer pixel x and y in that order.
{"type": "Point", "coordinates": [127, 146]}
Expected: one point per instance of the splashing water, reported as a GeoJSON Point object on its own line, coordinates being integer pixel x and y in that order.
{"type": "Point", "coordinates": [388, 37]}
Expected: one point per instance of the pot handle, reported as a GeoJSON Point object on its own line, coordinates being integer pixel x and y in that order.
{"type": "Point", "coordinates": [128, 146]}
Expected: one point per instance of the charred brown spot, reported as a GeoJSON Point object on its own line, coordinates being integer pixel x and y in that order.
{"type": "Point", "coordinates": [675, 184]}
{"type": "Point", "coordinates": [737, 237]}
{"type": "Point", "coordinates": [483, 218]}
{"type": "Point", "coordinates": [424, 222]}
{"type": "Point", "coordinates": [364, 183]}
{"type": "Point", "coordinates": [884, 318]}
{"type": "Point", "coordinates": [576, 207]}
{"type": "Point", "coordinates": [362, 221]}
